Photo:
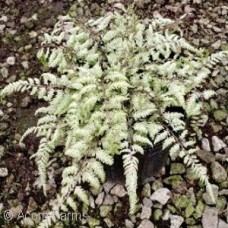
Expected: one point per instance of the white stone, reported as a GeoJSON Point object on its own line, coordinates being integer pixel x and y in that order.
{"type": "Point", "coordinates": [129, 223]}
{"type": "Point", "coordinates": [108, 186]}
{"type": "Point", "coordinates": [108, 200]}
{"type": "Point", "coordinates": [118, 190]}
{"type": "Point", "coordinates": [4, 72]}
{"type": "Point", "coordinates": [176, 221]}
{"type": "Point", "coordinates": [222, 224]}
{"type": "Point", "coordinates": [218, 144]}
{"type": "Point", "coordinates": [11, 60]}
{"type": "Point", "coordinates": [147, 202]}
{"type": "Point", "coordinates": [210, 218]}
{"type": "Point", "coordinates": [2, 28]}
{"type": "Point", "coordinates": [4, 18]}
{"type": "Point", "coordinates": [146, 212]}
{"type": "Point", "coordinates": [91, 202]}
{"type": "Point", "coordinates": [146, 224]}
{"type": "Point", "coordinates": [100, 198]}
{"type": "Point", "coordinates": [25, 64]}
{"type": "Point", "coordinates": [206, 144]}
{"type": "Point", "coordinates": [3, 172]}
{"type": "Point", "coordinates": [197, 1]}
{"type": "Point", "coordinates": [162, 195]}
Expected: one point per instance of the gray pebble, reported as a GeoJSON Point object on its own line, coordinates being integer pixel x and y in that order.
{"type": "Point", "coordinates": [210, 218]}
{"type": "Point", "coordinates": [162, 195]}
{"type": "Point", "coordinates": [146, 224]}
{"type": "Point", "coordinates": [219, 174]}
{"type": "Point", "coordinates": [205, 144]}
{"type": "Point", "coordinates": [118, 190]}
{"type": "Point", "coordinates": [3, 172]}
{"type": "Point", "coordinates": [217, 143]}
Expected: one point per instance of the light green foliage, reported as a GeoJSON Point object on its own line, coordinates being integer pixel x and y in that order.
{"type": "Point", "coordinates": [115, 78]}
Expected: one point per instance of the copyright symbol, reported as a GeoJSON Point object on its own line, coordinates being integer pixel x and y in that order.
{"type": "Point", "coordinates": [8, 215]}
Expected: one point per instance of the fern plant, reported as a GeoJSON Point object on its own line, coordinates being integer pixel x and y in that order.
{"type": "Point", "coordinates": [115, 77]}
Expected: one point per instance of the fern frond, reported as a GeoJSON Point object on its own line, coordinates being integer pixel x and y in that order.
{"type": "Point", "coordinates": [130, 163]}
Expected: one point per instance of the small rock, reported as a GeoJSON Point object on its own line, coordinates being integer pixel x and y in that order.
{"type": "Point", "coordinates": [4, 126]}
{"type": "Point", "coordinates": [216, 45]}
{"type": "Point", "coordinates": [108, 186]}
{"type": "Point", "coordinates": [219, 174]}
{"type": "Point", "coordinates": [176, 221]}
{"type": "Point", "coordinates": [220, 115]}
{"type": "Point", "coordinates": [108, 200]}
{"type": "Point", "coordinates": [25, 102]}
{"type": "Point", "coordinates": [197, 1]}
{"type": "Point", "coordinates": [222, 224]}
{"type": "Point", "coordinates": [205, 144]}
{"type": "Point", "coordinates": [11, 60]}
{"type": "Point", "coordinates": [188, 9]}
{"type": "Point", "coordinates": [17, 137]}
{"type": "Point", "coordinates": [189, 210]}
{"type": "Point", "coordinates": [181, 201]}
{"type": "Point", "coordinates": [157, 215]}
{"type": "Point", "coordinates": [199, 210]}
{"type": "Point", "coordinates": [210, 218]}
{"type": "Point", "coordinates": [4, 72]}
{"type": "Point", "coordinates": [224, 12]}
{"type": "Point", "coordinates": [194, 28]}
{"type": "Point", "coordinates": [25, 64]}
{"type": "Point", "coordinates": [141, 3]}
{"type": "Point", "coordinates": [100, 198]}
{"type": "Point", "coordinates": [221, 157]}
{"type": "Point", "coordinates": [161, 195]}
{"type": "Point", "coordinates": [175, 181]}
{"type": "Point", "coordinates": [2, 28]}
{"type": "Point", "coordinates": [29, 24]}
{"type": "Point", "coordinates": [217, 29]}
{"type": "Point", "coordinates": [177, 168]}
{"type": "Point", "coordinates": [146, 224]}
{"type": "Point", "coordinates": [213, 104]}
{"type": "Point", "coordinates": [129, 223]}
{"type": "Point", "coordinates": [206, 156]}
{"type": "Point", "coordinates": [166, 215]}
{"type": "Point", "coordinates": [218, 144]}
{"type": "Point", "coordinates": [215, 73]}
{"type": "Point", "coordinates": [93, 222]}
{"type": "Point", "coordinates": [33, 34]}
{"type": "Point", "coordinates": [118, 190]}
{"type": "Point", "coordinates": [104, 210]}
{"type": "Point", "coordinates": [223, 192]}
{"type": "Point", "coordinates": [216, 127]}
{"type": "Point", "coordinates": [146, 192]}
{"type": "Point", "coordinates": [221, 203]}
{"type": "Point", "coordinates": [146, 212]}
{"type": "Point", "coordinates": [108, 222]}
{"type": "Point", "coordinates": [4, 18]}
{"type": "Point", "coordinates": [147, 202]}
{"type": "Point", "coordinates": [3, 172]}
{"type": "Point", "coordinates": [156, 185]}
{"type": "Point", "coordinates": [91, 202]}
{"type": "Point", "coordinates": [113, 1]}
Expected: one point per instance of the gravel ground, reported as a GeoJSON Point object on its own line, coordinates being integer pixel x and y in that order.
{"type": "Point", "coordinates": [173, 198]}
